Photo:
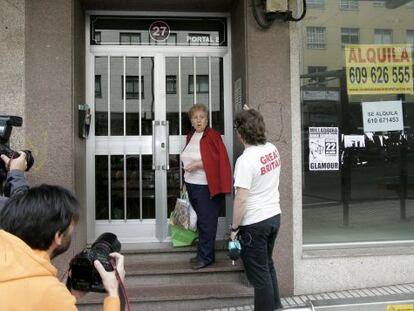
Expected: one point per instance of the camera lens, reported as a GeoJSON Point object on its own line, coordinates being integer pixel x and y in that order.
{"type": "Point", "coordinates": [108, 241]}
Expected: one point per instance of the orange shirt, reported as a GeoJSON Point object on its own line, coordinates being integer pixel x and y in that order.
{"type": "Point", "coordinates": [28, 280]}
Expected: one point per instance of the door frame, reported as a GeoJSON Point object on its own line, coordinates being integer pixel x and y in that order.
{"type": "Point", "coordinates": [161, 226]}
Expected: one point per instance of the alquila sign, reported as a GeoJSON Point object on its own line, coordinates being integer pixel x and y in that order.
{"type": "Point", "coordinates": [379, 69]}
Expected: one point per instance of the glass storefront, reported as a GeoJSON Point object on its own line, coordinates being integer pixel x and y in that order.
{"type": "Point", "coordinates": [357, 121]}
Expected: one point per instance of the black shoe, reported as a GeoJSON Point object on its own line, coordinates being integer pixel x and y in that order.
{"type": "Point", "coordinates": [200, 265]}
{"type": "Point", "coordinates": [194, 259]}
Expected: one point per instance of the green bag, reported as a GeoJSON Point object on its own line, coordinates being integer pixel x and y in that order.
{"type": "Point", "coordinates": [182, 237]}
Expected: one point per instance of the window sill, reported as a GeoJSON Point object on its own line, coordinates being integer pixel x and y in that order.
{"type": "Point", "coordinates": [389, 248]}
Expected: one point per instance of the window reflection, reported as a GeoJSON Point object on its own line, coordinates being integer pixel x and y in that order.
{"type": "Point", "coordinates": [101, 187]}
{"type": "Point", "coordinates": [116, 91]}
{"type": "Point", "coordinates": [132, 89]}
{"type": "Point", "coordinates": [147, 106]}
{"type": "Point", "coordinates": [101, 96]}
{"type": "Point", "coordinates": [117, 186]}
{"type": "Point", "coordinates": [148, 188]}
{"type": "Point", "coordinates": [128, 38]}
{"type": "Point", "coordinates": [201, 84]}
{"type": "Point", "coordinates": [371, 196]}
{"type": "Point", "coordinates": [134, 93]}
{"type": "Point", "coordinates": [133, 191]}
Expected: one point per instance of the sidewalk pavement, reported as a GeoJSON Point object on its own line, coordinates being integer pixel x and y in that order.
{"type": "Point", "coordinates": [302, 300]}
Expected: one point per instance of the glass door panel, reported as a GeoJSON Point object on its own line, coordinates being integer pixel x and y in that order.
{"type": "Point", "coordinates": [101, 187]}
{"type": "Point", "coordinates": [216, 106]}
{"type": "Point", "coordinates": [125, 191]}
{"type": "Point", "coordinates": [117, 187]}
{"type": "Point", "coordinates": [187, 94]}
{"type": "Point", "coordinates": [201, 81]}
{"type": "Point", "coordinates": [148, 188]}
{"type": "Point", "coordinates": [141, 106]}
{"type": "Point", "coordinates": [173, 182]}
{"type": "Point", "coordinates": [133, 94]}
{"type": "Point", "coordinates": [148, 103]}
{"type": "Point", "coordinates": [101, 96]}
{"type": "Point", "coordinates": [116, 96]}
{"type": "Point", "coordinates": [133, 189]}
{"type": "Point", "coordinates": [172, 87]}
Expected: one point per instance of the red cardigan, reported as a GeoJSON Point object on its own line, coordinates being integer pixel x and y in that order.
{"type": "Point", "coordinates": [215, 161]}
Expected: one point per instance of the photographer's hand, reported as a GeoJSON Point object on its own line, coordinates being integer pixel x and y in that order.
{"type": "Point", "coordinates": [119, 264]}
{"type": "Point", "coordinates": [109, 279]}
{"type": "Point", "coordinates": [19, 163]}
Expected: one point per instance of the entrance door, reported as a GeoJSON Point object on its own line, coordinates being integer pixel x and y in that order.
{"type": "Point", "coordinates": [139, 122]}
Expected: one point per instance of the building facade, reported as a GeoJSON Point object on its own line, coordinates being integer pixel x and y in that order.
{"type": "Point", "coordinates": [346, 187]}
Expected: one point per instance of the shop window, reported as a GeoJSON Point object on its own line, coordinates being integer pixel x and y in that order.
{"type": "Point", "coordinates": [316, 4]}
{"type": "Point", "coordinates": [382, 36]}
{"type": "Point", "coordinates": [316, 37]}
{"type": "Point", "coordinates": [410, 39]}
{"type": "Point", "coordinates": [128, 38]}
{"type": "Point", "coordinates": [98, 86]}
{"type": "Point", "coordinates": [171, 84]}
{"type": "Point", "coordinates": [132, 89]}
{"type": "Point", "coordinates": [349, 36]}
{"type": "Point", "coordinates": [201, 84]}
{"type": "Point", "coordinates": [348, 4]}
{"type": "Point", "coordinates": [366, 194]}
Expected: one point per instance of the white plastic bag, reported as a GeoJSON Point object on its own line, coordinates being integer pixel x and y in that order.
{"type": "Point", "coordinates": [192, 216]}
{"type": "Point", "coordinates": [184, 215]}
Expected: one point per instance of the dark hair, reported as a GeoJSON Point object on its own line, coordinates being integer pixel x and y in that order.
{"type": "Point", "coordinates": [251, 127]}
{"type": "Point", "coordinates": [37, 214]}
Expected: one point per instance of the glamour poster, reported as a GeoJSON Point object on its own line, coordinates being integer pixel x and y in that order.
{"type": "Point", "coordinates": [323, 149]}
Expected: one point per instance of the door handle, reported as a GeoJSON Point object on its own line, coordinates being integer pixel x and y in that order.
{"type": "Point", "coordinates": [164, 146]}
{"type": "Point", "coordinates": [167, 145]}
{"type": "Point", "coordinates": [153, 144]}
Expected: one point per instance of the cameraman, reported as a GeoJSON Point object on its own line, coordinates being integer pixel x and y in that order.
{"type": "Point", "coordinates": [15, 181]}
{"type": "Point", "coordinates": [38, 225]}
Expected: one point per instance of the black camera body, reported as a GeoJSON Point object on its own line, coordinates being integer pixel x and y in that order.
{"type": "Point", "coordinates": [6, 125]}
{"type": "Point", "coordinates": [84, 276]}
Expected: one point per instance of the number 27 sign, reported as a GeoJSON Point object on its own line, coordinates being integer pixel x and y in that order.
{"type": "Point", "coordinates": [159, 31]}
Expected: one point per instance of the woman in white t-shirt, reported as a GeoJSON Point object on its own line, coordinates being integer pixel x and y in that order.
{"type": "Point", "coordinates": [256, 213]}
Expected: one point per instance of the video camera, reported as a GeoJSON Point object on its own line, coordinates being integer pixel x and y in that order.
{"type": "Point", "coordinates": [83, 275]}
{"type": "Point", "coordinates": [6, 125]}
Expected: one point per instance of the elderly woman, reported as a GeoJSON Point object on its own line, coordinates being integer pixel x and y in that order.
{"type": "Point", "coordinates": [256, 213]}
{"type": "Point", "coordinates": [207, 178]}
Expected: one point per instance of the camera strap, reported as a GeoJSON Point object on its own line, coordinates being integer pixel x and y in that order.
{"type": "Point", "coordinates": [124, 295]}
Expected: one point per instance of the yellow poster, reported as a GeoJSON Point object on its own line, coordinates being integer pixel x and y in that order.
{"type": "Point", "coordinates": [406, 307]}
{"type": "Point", "coordinates": [379, 69]}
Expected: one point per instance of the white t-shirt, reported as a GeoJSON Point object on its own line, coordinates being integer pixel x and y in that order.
{"type": "Point", "coordinates": [192, 153]}
{"type": "Point", "coordinates": [258, 170]}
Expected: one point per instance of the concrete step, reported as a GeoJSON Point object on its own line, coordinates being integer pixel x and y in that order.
{"type": "Point", "coordinates": [190, 297]}
{"type": "Point", "coordinates": [160, 277]}
{"type": "Point", "coordinates": [165, 252]}
{"type": "Point", "coordinates": [180, 272]}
